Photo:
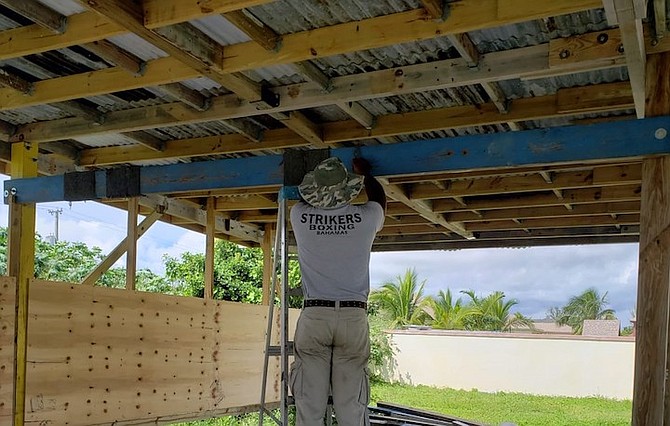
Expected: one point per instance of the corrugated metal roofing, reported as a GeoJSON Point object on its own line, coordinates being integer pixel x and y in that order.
{"type": "Point", "coordinates": [138, 47]}
{"type": "Point", "coordinates": [290, 16]}
{"type": "Point", "coordinates": [64, 7]}
{"type": "Point", "coordinates": [298, 15]}
{"type": "Point", "coordinates": [221, 30]}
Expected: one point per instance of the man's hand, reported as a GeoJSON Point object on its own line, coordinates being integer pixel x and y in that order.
{"type": "Point", "coordinates": [361, 166]}
{"type": "Point", "coordinates": [373, 189]}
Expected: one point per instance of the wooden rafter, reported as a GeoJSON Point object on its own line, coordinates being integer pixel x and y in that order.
{"type": "Point", "coordinates": [504, 65]}
{"type": "Point", "coordinates": [545, 212]}
{"type": "Point", "coordinates": [255, 29]}
{"type": "Point", "coordinates": [407, 26]}
{"type": "Point", "coordinates": [190, 97]}
{"type": "Point", "coordinates": [194, 214]}
{"type": "Point", "coordinates": [468, 51]}
{"type": "Point", "coordinates": [82, 28]}
{"type": "Point", "coordinates": [394, 124]}
{"type": "Point", "coordinates": [423, 77]}
{"type": "Point", "coordinates": [599, 176]}
{"type": "Point", "coordinates": [38, 13]}
{"type": "Point", "coordinates": [424, 209]}
{"type": "Point", "coordinates": [202, 60]}
{"type": "Point", "coordinates": [146, 140]}
{"type": "Point", "coordinates": [159, 13]}
{"type": "Point", "coordinates": [80, 109]}
{"type": "Point", "coordinates": [15, 83]}
{"type": "Point", "coordinates": [564, 221]}
{"type": "Point", "coordinates": [117, 56]}
{"type": "Point", "coordinates": [632, 37]}
{"type": "Point", "coordinates": [575, 196]}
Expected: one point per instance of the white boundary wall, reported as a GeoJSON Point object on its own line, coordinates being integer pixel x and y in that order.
{"type": "Point", "coordinates": [533, 364]}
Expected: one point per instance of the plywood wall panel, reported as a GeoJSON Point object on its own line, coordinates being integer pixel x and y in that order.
{"type": "Point", "coordinates": [100, 356]}
{"type": "Point", "coordinates": [7, 318]}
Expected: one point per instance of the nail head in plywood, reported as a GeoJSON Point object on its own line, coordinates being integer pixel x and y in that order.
{"type": "Point", "coordinates": [156, 349]}
{"type": "Point", "coordinates": [7, 318]}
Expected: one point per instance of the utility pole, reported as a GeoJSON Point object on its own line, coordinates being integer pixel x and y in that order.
{"type": "Point", "coordinates": [56, 213]}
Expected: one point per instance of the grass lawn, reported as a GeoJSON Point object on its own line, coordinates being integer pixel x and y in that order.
{"type": "Point", "coordinates": [521, 409]}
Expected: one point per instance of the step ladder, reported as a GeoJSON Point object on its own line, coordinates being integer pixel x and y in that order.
{"type": "Point", "coordinates": [285, 347]}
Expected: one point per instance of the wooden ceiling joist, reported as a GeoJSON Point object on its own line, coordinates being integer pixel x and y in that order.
{"type": "Point", "coordinates": [632, 36]}
{"type": "Point", "coordinates": [414, 25]}
{"type": "Point", "coordinates": [502, 66]}
{"type": "Point", "coordinates": [209, 145]}
{"type": "Point", "coordinates": [159, 13]}
{"type": "Point", "coordinates": [15, 83]}
{"type": "Point", "coordinates": [600, 176]}
{"type": "Point", "coordinates": [180, 43]}
{"type": "Point", "coordinates": [117, 56]}
{"type": "Point", "coordinates": [447, 245]}
{"type": "Point", "coordinates": [81, 28]}
{"type": "Point", "coordinates": [549, 211]}
{"type": "Point", "coordinates": [521, 59]}
{"type": "Point", "coordinates": [194, 214]}
{"type": "Point", "coordinates": [38, 13]}
{"type": "Point", "coordinates": [144, 139]}
{"type": "Point", "coordinates": [576, 196]}
{"type": "Point", "coordinates": [562, 222]}
{"type": "Point", "coordinates": [425, 210]}
{"type": "Point", "coordinates": [449, 207]}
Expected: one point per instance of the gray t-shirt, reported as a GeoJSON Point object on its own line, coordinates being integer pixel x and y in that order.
{"type": "Point", "coordinates": [334, 249]}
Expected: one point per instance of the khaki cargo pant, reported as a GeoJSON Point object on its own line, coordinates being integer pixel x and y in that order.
{"type": "Point", "coordinates": [332, 348]}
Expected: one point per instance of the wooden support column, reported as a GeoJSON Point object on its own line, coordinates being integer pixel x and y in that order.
{"type": "Point", "coordinates": [131, 240]}
{"type": "Point", "coordinates": [651, 388]}
{"type": "Point", "coordinates": [21, 264]}
{"type": "Point", "coordinates": [119, 250]}
{"type": "Point", "coordinates": [652, 294]}
{"type": "Point", "coordinates": [267, 246]}
{"type": "Point", "coordinates": [210, 229]}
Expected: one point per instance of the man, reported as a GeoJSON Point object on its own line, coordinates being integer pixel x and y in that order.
{"type": "Point", "coordinates": [331, 340]}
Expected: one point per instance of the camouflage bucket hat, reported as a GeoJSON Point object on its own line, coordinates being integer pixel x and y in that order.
{"type": "Point", "coordinates": [329, 185]}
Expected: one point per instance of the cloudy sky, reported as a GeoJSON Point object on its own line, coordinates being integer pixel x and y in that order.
{"type": "Point", "coordinates": [538, 278]}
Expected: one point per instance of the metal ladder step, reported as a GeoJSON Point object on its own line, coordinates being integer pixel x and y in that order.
{"type": "Point", "coordinates": [276, 350]}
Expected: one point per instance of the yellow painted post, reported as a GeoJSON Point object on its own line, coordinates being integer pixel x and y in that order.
{"type": "Point", "coordinates": [21, 264]}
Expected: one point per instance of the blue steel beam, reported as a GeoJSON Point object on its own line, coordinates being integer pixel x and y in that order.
{"type": "Point", "coordinates": [597, 142]}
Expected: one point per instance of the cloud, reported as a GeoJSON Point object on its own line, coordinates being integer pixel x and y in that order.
{"type": "Point", "coordinates": [152, 248]}
{"type": "Point", "coordinates": [538, 278]}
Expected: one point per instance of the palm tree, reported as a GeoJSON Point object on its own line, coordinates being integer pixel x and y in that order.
{"type": "Point", "coordinates": [402, 300]}
{"type": "Point", "coordinates": [493, 313]}
{"type": "Point", "coordinates": [588, 305]}
{"type": "Point", "coordinates": [448, 314]}
{"type": "Point", "coordinates": [554, 313]}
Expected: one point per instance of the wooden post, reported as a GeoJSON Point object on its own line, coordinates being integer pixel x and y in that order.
{"type": "Point", "coordinates": [652, 294]}
{"type": "Point", "coordinates": [131, 253]}
{"type": "Point", "coordinates": [210, 229]}
{"type": "Point", "coordinates": [21, 264]}
{"type": "Point", "coordinates": [267, 246]}
{"type": "Point", "coordinates": [650, 392]}
{"type": "Point", "coordinates": [119, 250]}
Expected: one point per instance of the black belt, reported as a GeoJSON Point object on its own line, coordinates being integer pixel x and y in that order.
{"type": "Point", "coordinates": [335, 303]}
